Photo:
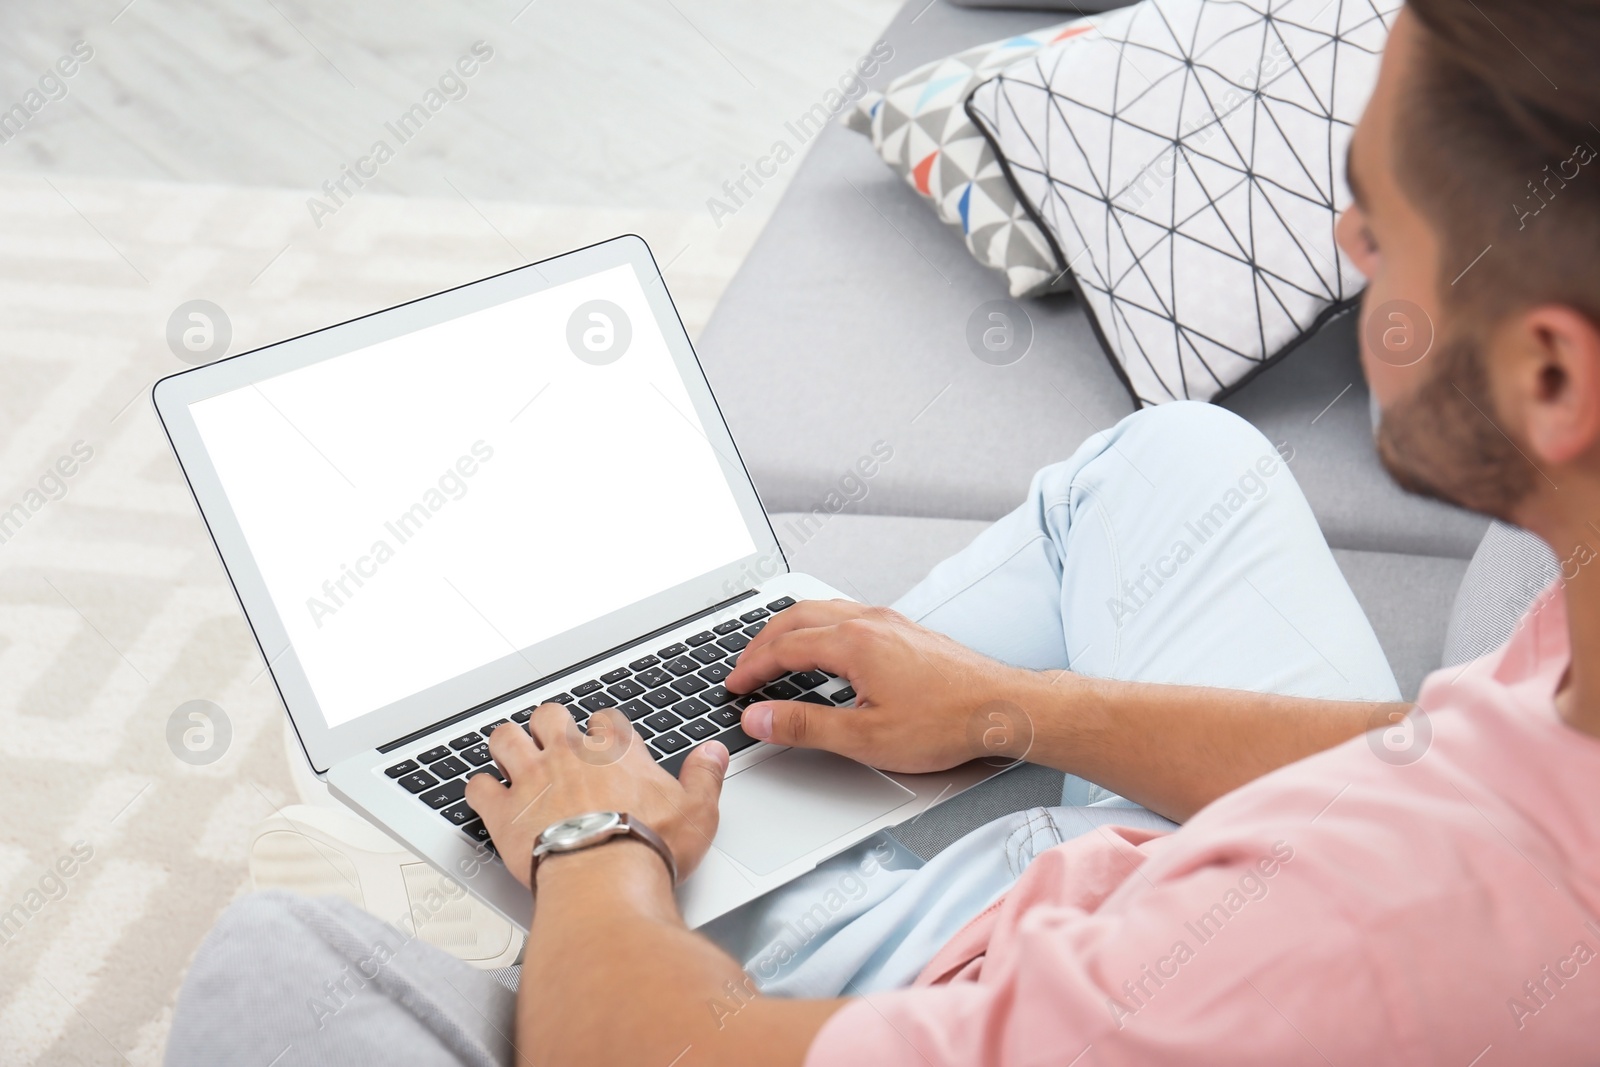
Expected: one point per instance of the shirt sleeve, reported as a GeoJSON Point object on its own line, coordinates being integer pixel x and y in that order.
{"type": "Point", "coordinates": [1215, 965]}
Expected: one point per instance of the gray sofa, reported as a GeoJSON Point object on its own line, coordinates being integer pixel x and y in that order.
{"type": "Point", "coordinates": [846, 326]}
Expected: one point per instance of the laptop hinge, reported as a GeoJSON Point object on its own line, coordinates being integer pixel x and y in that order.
{"type": "Point", "coordinates": [416, 735]}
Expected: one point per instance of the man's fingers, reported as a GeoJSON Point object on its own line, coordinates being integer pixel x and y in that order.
{"type": "Point", "coordinates": [514, 750]}
{"type": "Point", "coordinates": [702, 772]}
{"type": "Point", "coordinates": [827, 647]}
{"type": "Point", "coordinates": [549, 724]}
{"type": "Point", "coordinates": [800, 724]}
{"type": "Point", "coordinates": [486, 796]}
{"type": "Point", "coordinates": [806, 614]}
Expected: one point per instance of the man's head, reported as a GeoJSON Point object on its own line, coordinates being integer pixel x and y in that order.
{"type": "Point", "coordinates": [1476, 172]}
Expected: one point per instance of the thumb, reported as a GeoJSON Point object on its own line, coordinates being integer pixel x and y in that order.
{"type": "Point", "coordinates": [702, 771]}
{"type": "Point", "coordinates": [798, 724]}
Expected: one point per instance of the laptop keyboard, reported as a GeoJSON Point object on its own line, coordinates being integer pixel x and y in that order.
{"type": "Point", "coordinates": [674, 698]}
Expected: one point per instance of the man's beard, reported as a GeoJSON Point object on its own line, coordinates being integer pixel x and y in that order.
{"type": "Point", "coordinates": [1445, 440]}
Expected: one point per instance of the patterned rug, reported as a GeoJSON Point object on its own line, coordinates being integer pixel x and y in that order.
{"type": "Point", "coordinates": [114, 612]}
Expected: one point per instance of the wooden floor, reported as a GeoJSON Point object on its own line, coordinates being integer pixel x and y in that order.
{"type": "Point", "coordinates": [646, 103]}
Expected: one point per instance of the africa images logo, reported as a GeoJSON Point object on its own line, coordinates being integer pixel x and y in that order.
{"type": "Point", "coordinates": [599, 332]}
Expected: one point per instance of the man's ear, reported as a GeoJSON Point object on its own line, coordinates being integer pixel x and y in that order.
{"type": "Point", "coordinates": [1558, 383]}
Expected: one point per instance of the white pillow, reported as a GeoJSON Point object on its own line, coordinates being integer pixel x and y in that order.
{"type": "Point", "coordinates": [1187, 158]}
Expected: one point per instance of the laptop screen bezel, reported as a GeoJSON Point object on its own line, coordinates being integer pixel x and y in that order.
{"type": "Point", "coordinates": [325, 745]}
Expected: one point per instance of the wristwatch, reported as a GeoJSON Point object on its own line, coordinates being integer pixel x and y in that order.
{"type": "Point", "coordinates": [596, 828]}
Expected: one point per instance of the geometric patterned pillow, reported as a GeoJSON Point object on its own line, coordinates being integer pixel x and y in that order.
{"type": "Point", "coordinates": [920, 127]}
{"type": "Point", "coordinates": [1187, 159]}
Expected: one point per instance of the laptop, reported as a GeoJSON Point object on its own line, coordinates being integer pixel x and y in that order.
{"type": "Point", "coordinates": [439, 516]}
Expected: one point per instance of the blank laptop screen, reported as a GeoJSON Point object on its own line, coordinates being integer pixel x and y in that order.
{"type": "Point", "coordinates": [425, 506]}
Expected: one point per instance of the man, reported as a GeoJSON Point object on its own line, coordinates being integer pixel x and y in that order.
{"type": "Point", "coordinates": [1331, 898]}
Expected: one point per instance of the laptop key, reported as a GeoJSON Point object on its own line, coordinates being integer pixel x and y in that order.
{"type": "Point", "coordinates": [662, 720]}
{"type": "Point", "coordinates": [465, 741]}
{"type": "Point", "coordinates": [716, 672]}
{"type": "Point", "coordinates": [643, 663]}
{"type": "Point", "coordinates": [488, 768]}
{"type": "Point", "coordinates": [477, 755]}
{"type": "Point", "coordinates": [813, 698]}
{"type": "Point", "coordinates": [736, 739]}
{"type": "Point", "coordinates": [734, 642]}
{"type": "Point", "coordinates": [699, 730]}
{"type": "Point", "coordinates": [781, 603]}
{"type": "Point", "coordinates": [636, 709]}
{"type": "Point", "coordinates": [755, 628]}
{"type": "Point", "coordinates": [626, 690]}
{"type": "Point", "coordinates": [847, 695]}
{"type": "Point", "coordinates": [700, 638]}
{"type": "Point", "coordinates": [755, 614]}
{"type": "Point", "coordinates": [488, 731]}
{"type": "Point", "coordinates": [615, 676]}
{"type": "Point", "coordinates": [808, 679]}
{"type": "Point", "coordinates": [662, 698]}
{"type": "Point", "coordinates": [596, 701]}
{"type": "Point", "coordinates": [725, 717]}
{"type": "Point", "coordinates": [780, 690]}
{"type": "Point", "coordinates": [670, 742]}
{"type": "Point", "coordinates": [643, 731]}
{"type": "Point", "coordinates": [477, 831]}
{"type": "Point", "coordinates": [672, 650]}
{"type": "Point", "coordinates": [682, 665]}
{"type": "Point", "coordinates": [448, 767]}
{"type": "Point", "coordinates": [690, 708]}
{"type": "Point", "coordinates": [559, 698]}
{"type": "Point", "coordinates": [716, 696]}
{"type": "Point", "coordinates": [459, 814]}
{"type": "Point", "coordinates": [448, 793]}
{"type": "Point", "coordinates": [583, 689]}
{"type": "Point", "coordinates": [708, 654]}
{"type": "Point", "coordinates": [726, 627]}
{"type": "Point", "coordinates": [401, 768]}
{"type": "Point", "coordinates": [417, 781]}
{"type": "Point", "coordinates": [434, 754]}
{"type": "Point", "coordinates": [690, 685]}
{"type": "Point", "coordinates": [654, 678]}
{"type": "Point", "coordinates": [522, 716]}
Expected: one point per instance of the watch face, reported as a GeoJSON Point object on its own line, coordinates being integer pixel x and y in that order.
{"type": "Point", "coordinates": [579, 827]}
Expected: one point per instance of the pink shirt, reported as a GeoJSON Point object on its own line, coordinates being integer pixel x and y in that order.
{"type": "Point", "coordinates": [1342, 910]}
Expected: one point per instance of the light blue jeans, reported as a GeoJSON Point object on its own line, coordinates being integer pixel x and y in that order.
{"type": "Point", "coordinates": [1174, 547]}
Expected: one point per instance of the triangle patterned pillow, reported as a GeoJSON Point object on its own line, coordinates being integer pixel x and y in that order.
{"type": "Point", "coordinates": [920, 127]}
{"type": "Point", "coordinates": [1186, 159]}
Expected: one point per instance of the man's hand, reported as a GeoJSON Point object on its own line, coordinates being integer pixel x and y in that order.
{"type": "Point", "coordinates": [924, 701]}
{"type": "Point", "coordinates": [560, 771]}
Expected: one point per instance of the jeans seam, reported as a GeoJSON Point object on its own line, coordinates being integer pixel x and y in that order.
{"type": "Point", "coordinates": [1101, 514]}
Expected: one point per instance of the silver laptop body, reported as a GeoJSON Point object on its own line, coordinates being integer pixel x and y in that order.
{"type": "Point", "coordinates": [437, 516]}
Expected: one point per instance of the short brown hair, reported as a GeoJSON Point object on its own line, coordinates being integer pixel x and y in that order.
{"type": "Point", "coordinates": [1498, 147]}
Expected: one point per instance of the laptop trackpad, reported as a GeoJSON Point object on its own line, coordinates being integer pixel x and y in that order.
{"type": "Point", "coordinates": [797, 801]}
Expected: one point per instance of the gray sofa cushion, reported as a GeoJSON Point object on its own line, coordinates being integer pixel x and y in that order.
{"type": "Point", "coordinates": [876, 558]}
{"type": "Point", "coordinates": [1510, 568]}
{"type": "Point", "coordinates": [847, 324]}
{"type": "Point", "coordinates": [1407, 599]}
